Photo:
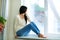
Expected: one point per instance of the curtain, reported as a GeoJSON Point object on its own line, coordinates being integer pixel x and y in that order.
{"type": "Point", "coordinates": [0, 7]}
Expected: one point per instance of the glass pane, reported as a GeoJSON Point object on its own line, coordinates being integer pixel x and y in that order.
{"type": "Point", "coordinates": [51, 21]}
{"type": "Point", "coordinates": [53, 16]}
{"type": "Point", "coordinates": [57, 6]}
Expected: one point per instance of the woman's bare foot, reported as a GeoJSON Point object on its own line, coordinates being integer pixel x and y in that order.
{"type": "Point", "coordinates": [41, 36]}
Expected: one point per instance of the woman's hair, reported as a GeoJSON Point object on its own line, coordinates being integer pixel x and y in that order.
{"type": "Point", "coordinates": [22, 10]}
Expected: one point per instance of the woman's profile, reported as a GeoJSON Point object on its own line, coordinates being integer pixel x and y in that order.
{"type": "Point", "coordinates": [20, 24]}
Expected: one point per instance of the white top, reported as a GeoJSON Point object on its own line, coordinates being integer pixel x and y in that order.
{"type": "Point", "coordinates": [19, 23]}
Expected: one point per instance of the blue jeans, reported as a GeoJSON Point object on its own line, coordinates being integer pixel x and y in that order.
{"type": "Point", "coordinates": [24, 31]}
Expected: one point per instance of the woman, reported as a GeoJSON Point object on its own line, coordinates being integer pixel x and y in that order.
{"type": "Point", "coordinates": [21, 27]}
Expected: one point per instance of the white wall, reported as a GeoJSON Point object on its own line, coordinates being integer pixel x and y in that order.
{"type": "Point", "coordinates": [13, 9]}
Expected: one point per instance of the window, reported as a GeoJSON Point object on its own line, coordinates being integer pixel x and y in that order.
{"type": "Point", "coordinates": [35, 11]}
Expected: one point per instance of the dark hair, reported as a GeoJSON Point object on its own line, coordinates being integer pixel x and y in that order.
{"type": "Point", "coordinates": [22, 10]}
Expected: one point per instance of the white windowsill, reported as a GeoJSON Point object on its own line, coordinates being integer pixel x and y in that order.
{"type": "Point", "coordinates": [36, 37]}
{"type": "Point", "coordinates": [30, 37]}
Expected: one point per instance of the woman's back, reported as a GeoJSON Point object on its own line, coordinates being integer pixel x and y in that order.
{"type": "Point", "coordinates": [19, 23]}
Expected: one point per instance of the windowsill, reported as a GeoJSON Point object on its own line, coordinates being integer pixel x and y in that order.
{"type": "Point", "coordinates": [36, 37]}
{"type": "Point", "coordinates": [31, 36]}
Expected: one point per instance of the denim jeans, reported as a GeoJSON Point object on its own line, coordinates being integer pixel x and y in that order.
{"type": "Point", "coordinates": [24, 31]}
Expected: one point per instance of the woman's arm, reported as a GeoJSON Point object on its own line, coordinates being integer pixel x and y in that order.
{"type": "Point", "coordinates": [28, 18]}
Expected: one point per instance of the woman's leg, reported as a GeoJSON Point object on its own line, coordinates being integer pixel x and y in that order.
{"type": "Point", "coordinates": [27, 29]}
{"type": "Point", "coordinates": [36, 30]}
{"type": "Point", "coordinates": [24, 31]}
{"type": "Point", "coordinates": [32, 23]}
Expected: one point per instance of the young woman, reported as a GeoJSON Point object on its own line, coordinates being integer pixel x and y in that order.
{"type": "Point", "coordinates": [21, 27]}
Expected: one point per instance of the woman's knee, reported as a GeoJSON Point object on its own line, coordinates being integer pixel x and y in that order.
{"type": "Point", "coordinates": [32, 23]}
{"type": "Point", "coordinates": [29, 25]}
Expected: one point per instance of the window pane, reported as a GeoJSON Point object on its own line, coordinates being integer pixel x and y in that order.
{"type": "Point", "coordinates": [57, 6]}
{"type": "Point", "coordinates": [53, 16]}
